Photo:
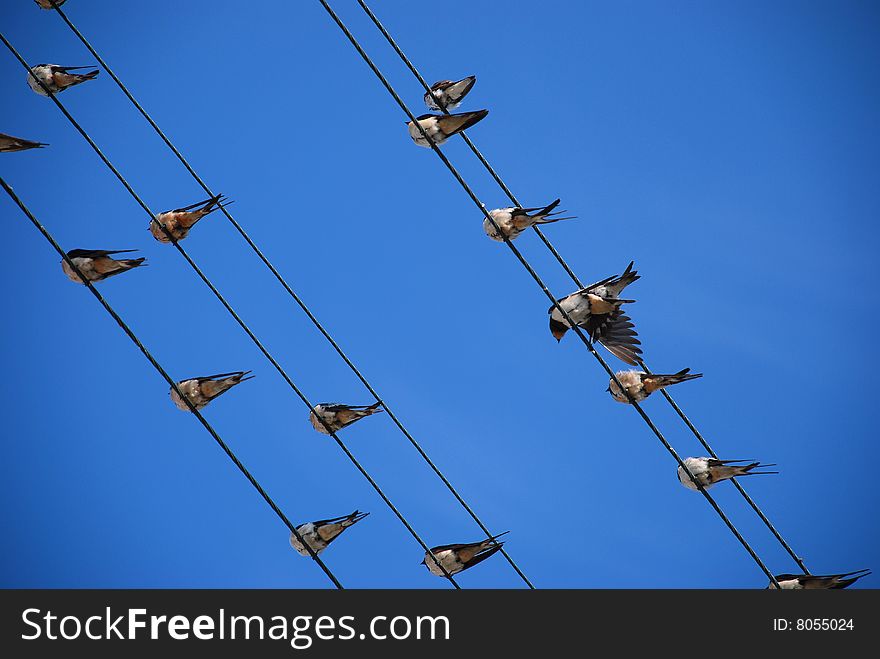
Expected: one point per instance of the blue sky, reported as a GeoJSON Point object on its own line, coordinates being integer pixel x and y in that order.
{"type": "Point", "coordinates": [730, 149]}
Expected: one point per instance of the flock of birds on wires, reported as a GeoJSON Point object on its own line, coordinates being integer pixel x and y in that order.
{"type": "Point", "coordinates": [596, 309]}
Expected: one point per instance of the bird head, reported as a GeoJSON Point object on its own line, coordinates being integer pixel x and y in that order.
{"type": "Point", "coordinates": [557, 329]}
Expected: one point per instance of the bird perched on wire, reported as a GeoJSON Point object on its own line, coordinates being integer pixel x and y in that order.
{"type": "Point", "coordinates": [318, 535]}
{"type": "Point", "coordinates": [640, 385]}
{"type": "Point", "coordinates": [98, 264]}
{"type": "Point", "coordinates": [47, 4]}
{"type": "Point", "coordinates": [818, 582]}
{"type": "Point", "coordinates": [709, 471]}
{"type": "Point", "coordinates": [201, 391]}
{"type": "Point", "coordinates": [180, 221]}
{"type": "Point", "coordinates": [448, 95]}
{"type": "Point", "coordinates": [440, 127]}
{"type": "Point", "coordinates": [513, 221]}
{"type": "Point", "coordinates": [337, 415]}
{"type": "Point", "coordinates": [57, 78]}
{"type": "Point", "coordinates": [597, 309]}
{"type": "Point", "coordinates": [8, 143]}
{"type": "Point", "coordinates": [460, 557]}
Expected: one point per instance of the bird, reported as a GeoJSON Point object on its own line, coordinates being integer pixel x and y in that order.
{"type": "Point", "coordinates": [513, 221]}
{"type": "Point", "coordinates": [97, 264]}
{"type": "Point", "coordinates": [201, 391]}
{"type": "Point", "coordinates": [318, 535]}
{"type": "Point", "coordinates": [179, 221]}
{"type": "Point", "coordinates": [57, 78]}
{"type": "Point", "coordinates": [337, 415]}
{"type": "Point", "coordinates": [448, 95]}
{"type": "Point", "coordinates": [460, 557]}
{"type": "Point", "coordinates": [47, 4]}
{"type": "Point", "coordinates": [817, 582]}
{"type": "Point", "coordinates": [597, 309]}
{"type": "Point", "coordinates": [709, 471]}
{"type": "Point", "coordinates": [440, 127]}
{"type": "Point", "coordinates": [8, 143]}
{"type": "Point", "coordinates": [640, 385]}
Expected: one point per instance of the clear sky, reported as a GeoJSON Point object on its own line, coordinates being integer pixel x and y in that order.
{"type": "Point", "coordinates": [730, 149]}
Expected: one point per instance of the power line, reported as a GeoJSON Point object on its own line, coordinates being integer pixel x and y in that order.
{"type": "Point", "coordinates": [576, 280]}
{"type": "Point", "coordinates": [543, 287]}
{"type": "Point", "coordinates": [131, 335]}
{"type": "Point", "coordinates": [232, 312]}
{"type": "Point", "coordinates": [292, 293]}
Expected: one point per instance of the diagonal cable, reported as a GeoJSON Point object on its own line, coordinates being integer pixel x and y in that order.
{"type": "Point", "coordinates": [232, 312]}
{"type": "Point", "coordinates": [391, 415]}
{"type": "Point", "coordinates": [587, 343]}
{"type": "Point", "coordinates": [577, 281]}
{"type": "Point", "coordinates": [131, 335]}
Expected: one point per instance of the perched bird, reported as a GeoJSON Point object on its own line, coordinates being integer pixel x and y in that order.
{"type": "Point", "coordinates": [457, 558]}
{"type": "Point", "coordinates": [97, 264]}
{"type": "Point", "coordinates": [817, 582]}
{"type": "Point", "coordinates": [201, 391]}
{"type": "Point", "coordinates": [9, 143]}
{"type": "Point", "coordinates": [318, 535]}
{"type": "Point", "coordinates": [709, 471]}
{"type": "Point", "coordinates": [179, 221]}
{"type": "Point", "coordinates": [597, 309]}
{"type": "Point", "coordinates": [58, 78]}
{"type": "Point", "coordinates": [47, 4]}
{"type": "Point", "coordinates": [440, 127]}
{"type": "Point", "coordinates": [640, 385]}
{"type": "Point", "coordinates": [338, 416]}
{"type": "Point", "coordinates": [513, 221]}
{"type": "Point", "coordinates": [447, 95]}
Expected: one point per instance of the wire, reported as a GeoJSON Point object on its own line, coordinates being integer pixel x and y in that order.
{"type": "Point", "coordinates": [171, 382]}
{"type": "Point", "coordinates": [543, 287]}
{"type": "Point", "coordinates": [576, 280]}
{"type": "Point", "coordinates": [292, 293]}
{"type": "Point", "coordinates": [232, 312]}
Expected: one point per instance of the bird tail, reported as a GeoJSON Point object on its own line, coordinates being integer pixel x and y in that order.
{"type": "Point", "coordinates": [854, 576]}
{"type": "Point", "coordinates": [345, 521]}
{"type": "Point", "coordinates": [461, 88]}
{"type": "Point", "coordinates": [240, 376]}
{"type": "Point", "coordinates": [133, 263]}
{"type": "Point", "coordinates": [682, 376]}
{"type": "Point", "coordinates": [355, 517]}
{"type": "Point", "coordinates": [629, 275]}
{"type": "Point", "coordinates": [455, 123]}
{"type": "Point", "coordinates": [80, 77]}
{"type": "Point", "coordinates": [483, 555]}
{"type": "Point", "coordinates": [493, 540]}
{"type": "Point", "coordinates": [366, 410]}
{"type": "Point", "coordinates": [749, 469]}
{"type": "Point", "coordinates": [734, 470]}
{"type": "Point", "coordinates": [551, 220]}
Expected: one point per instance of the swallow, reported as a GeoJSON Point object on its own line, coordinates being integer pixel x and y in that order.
{"type": "Point", "coordinates": [179, 221]}
{"type": "Point", "coordinates": [47, 4]}
{"type": "Point", "coordinates": [318, 535]}
{"type": "Point", "coordinates": [709, 471]}
{"type": "Point", "coordinates": [448, 95]}
{"type": "Point", "coordinates": [8, 143]}
{"type": "Point", "coordinates": [597, 309]}
{"type": "Point", "coordinates": [97, 264]}
{"type": "Point", "coordinates": [640, 385]}
{"type": "Point", "coordinates": [817, 582]}
{"type": "Point", "coordinates": [440, 127]}
{"type": "Point", "coordinates": [513, 221]}
{"type": "Point", "coordinates": [457, 558]}
{"type": "Point", "coordinates": [201, 391]}
{"type": "Point", "coordinates": [58, 78]}
{"type": "Point", "coordinates": [338, 416]}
